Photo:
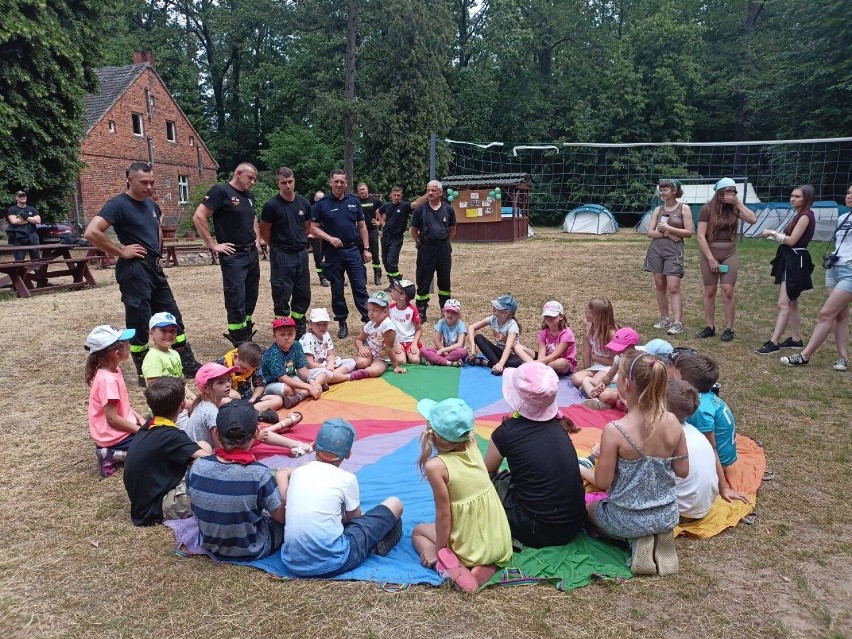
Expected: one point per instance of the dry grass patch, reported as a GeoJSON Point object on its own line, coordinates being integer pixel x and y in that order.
{"type": "Point", "coordinates": [74, 566]}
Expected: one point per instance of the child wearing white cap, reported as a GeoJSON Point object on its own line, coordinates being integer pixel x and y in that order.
{"type": "Point", "coordinates": [324, 365]}
{"type": "Point", "coordinates": [112, 422]}
{"type": "Point", "coordinates": [377, 344]}
{"type": "Point", "coordinates": [450, 337]}
{"type": "Point", "coordinates": [557, 346]}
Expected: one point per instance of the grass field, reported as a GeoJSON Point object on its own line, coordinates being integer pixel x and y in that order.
{"type": "Point", "coordinates": [73, 565]}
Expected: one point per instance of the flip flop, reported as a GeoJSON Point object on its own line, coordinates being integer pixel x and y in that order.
{"type": "Point", "coordinates": [449, 566]}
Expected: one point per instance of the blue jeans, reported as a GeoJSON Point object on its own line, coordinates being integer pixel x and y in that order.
{"type": "Point", "coordinates": [364, 533]}
{"type": "Point", "coordinates": [349, 261]}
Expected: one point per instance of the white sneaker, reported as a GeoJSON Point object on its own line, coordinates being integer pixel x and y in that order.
{"type": "Point", "coordinates": [664, 322]}
{"type": "Point", "coordinates": [842, 364]}
{"type": "Point", "coordinates": [675, 329]}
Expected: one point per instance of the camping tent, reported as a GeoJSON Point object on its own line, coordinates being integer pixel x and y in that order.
{"type": "Point", "coordinates": [696, 196]}
{"type": "Point", "coordinates": [776, 215]}
{"type": "Point", "coordinates": [589, 218]}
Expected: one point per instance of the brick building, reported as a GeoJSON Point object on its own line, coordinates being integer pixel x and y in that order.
{"type": "Point", "coordinates": [134, 118]}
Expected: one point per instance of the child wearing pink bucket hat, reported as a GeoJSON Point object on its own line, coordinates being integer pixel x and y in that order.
{"type": "Point", "coordinates": [542, 492]}
{"type": "Point", "coordinates": [600, 387]}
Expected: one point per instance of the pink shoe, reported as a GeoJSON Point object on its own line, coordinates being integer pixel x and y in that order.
{"type": "Point", "coordinates": [448, 565]}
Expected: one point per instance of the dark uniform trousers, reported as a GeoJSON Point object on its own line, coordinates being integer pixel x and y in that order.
{"type": "Point", "coordinates": [434, 257]}
{"type": "Point", "coordinates": [16, 238]}
{"type": "Point", "coordinates": [350, 261]}
{"type": "Point", "coordinates": [373, 234]}
{"type": "Point", "coordinates": [145, 291]}
{"type": "Point", "coordinates": [240, 282]}
{"type": "Point", "coordinates": [291, 282]}
{"type": "Point", "coordinates": [317, 248]}
{"type": "Point", "coordinates": [391, 248]}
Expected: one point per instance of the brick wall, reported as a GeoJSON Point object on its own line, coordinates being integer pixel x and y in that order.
{"type": "Point", "coordinates": [107, 154]}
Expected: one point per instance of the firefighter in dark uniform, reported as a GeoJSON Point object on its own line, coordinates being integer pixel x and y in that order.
{"type": "Point", "coordinates": [284, 225]}
{"type": "Point", "coordinates": [393, 217]}
{"type": "Point", "coordinates": [339, 221]}
{"type": "Point", "coordinates": [433, 227]}
{"type": "Point", "coordinates": [237, 242]}
{"type": "Point", "coordinates": [370, 205]}
{"type": "Point", "coordinates": [316, 248]}
{"type": "Point", "coordinates": [143, 285]}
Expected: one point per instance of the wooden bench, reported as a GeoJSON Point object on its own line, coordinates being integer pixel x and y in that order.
{"type": "Point", "coordinates": [31, 277]}
{"type": "Point", "coordinates": [170, 252]}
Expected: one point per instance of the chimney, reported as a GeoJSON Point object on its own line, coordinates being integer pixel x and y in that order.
{"type": "Point", "coordinates": [143, 57]}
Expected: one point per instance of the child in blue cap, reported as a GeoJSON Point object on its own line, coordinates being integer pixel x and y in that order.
{"type": "Point", "coordinates": [470, 536]}
{"type": "Point", "coordinates": [325, 533]}
{"type": "Point", "coordinates": [507, 332]}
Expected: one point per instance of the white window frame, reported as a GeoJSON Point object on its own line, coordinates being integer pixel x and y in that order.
{"type": "Point", "coordinates": [138, 118]}
{"type": "Point", "coordinates": [183, 189]}
{"type": "Point", "coordinates": [111, 126]}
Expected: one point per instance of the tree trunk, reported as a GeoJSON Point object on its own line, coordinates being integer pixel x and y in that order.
{"type": "Point", "coordinates": [349, 93]}
{"type": "Point", "coordinates": [743, 107]}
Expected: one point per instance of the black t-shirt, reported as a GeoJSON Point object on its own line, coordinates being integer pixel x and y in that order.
{"type": "Point", "coordinates": [24, 212]}
{"type": "Point", "coordinates": [434, 225]}
{"type": "Point", "coordinates": [134, 222]}
{"type": "Point", "coordinates": [233, 214]}
{"type": "Point", "coordinates": [339, 218]}
{"type": "Point", "coordinates": [287, 220]}
{"type": "Point", "coordinates": [396, 217]}
{"type": "Point", "coordinates": [156, 462]}
{"type": "Point", "coordinates": [545, 473]}
{"type": "Point", "coordinates": [370, 206]}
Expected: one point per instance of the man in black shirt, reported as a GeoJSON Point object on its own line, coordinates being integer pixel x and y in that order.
{"type": "Point", "coordinates": [231, 205]}
{"type": "Point", "coordinates": [21, 229]}
{"type": "Point", "coordinates": [433, 227]}
{"type": "Point", "coordinates": [370, 205]}
{"type": "Point", "coordinates": [143, 285]}
{"type": "Point", "coordinates": [284, 225]}
{"type": "Point", "coordinates": [316, 248]}
{"type": "Point", "coordinates": [393, 216]}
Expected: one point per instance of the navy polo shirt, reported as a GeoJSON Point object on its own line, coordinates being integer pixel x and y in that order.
{"type": "Point", "coordinates": [288, 222]}
{"type": "Point", "coordinates": [340, 218]}
{"type": "Point", "coordinates": [134, 222]}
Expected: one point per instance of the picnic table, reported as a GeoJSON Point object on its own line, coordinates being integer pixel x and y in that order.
{"type": "Point", "coordinates": [171, 250]}
{"type": "Point", "coordinates": [30, 277]}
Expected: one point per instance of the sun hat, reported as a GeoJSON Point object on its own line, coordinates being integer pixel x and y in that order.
{"type": "Point", "coordinates": [319, 315]}
{"type": "Point", "coordinates": [335, 436]}
{"type": "Point", "coordinates": [531, 390]}
{"type": "Point", "coordinates": [282, 322]}
{"type": "Point", "coordinates": [659, 347]}
{"type": "Point", "coordinates": [552, 309]}
{"type": "Point", "coordinates": [453, 305]}
{"type": "Point", "coordinates": [505, 303]}
{"type": "Point", "coordinates": [212, 370]}
{"type": "Point", "coordinates": [724, 183]}
{"type": "Point", "coordinates": [236, 421]}
{"type": "Point", "coordinates": [379, 297]}
{"type": "Point", "coordinates": [105, 336]}
{"type": "Point", "coordinates": [451, 419]}
{"type": "Point", "coordinates": [408, 287]}
{"type": "Point", "coordinates": [161, 320]}
{"type": "Point", "coordinates": [623, 338]}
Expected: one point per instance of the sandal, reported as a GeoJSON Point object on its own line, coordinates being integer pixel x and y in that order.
{"type": "Point", "coordinates": [291, 421]}
{"type": "Point", "coordinates": [301, 450]}
{"type": "Point", "coordinates": [449, 566]}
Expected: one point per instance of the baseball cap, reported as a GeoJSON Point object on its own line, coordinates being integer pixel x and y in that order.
{"type": "Point", "coordinates": [505, 303]}
{"type": "Point", "coordinates": [212, 370]}
{"type": "Point", "coordinates": [552, 309]}
{"type": "Point", "coordinates": [281, 322]}
{"type": "Point", "coordinates": [531, 390]}
{"type": "Point", "coordinates": [623, 338]}
{"type": "Point", "coordinates": [335, 436]}
{"type": "Point", "coordinates": [105, 336]}
{"type": "Point", "coordinates": [20, 193]}
{"type": "Point", "coordinates": [161, 320]}
{"type": "Point", "coordinates": [452, 304]}
{"type": "Point", "coordinates": [724, 183]}
{"type": "Point", "coordinates": [236, 422]}
{"type": "Point", "coordinates": [319, 315]}
{"type": "Point", "coordinates": [659, 347]}
{"type": "Point", "coordinates": [452, 418]}
{"type": "Point", "coordinates": [408, 287]}
{"type": "Point", "coordinates": [379, 297]}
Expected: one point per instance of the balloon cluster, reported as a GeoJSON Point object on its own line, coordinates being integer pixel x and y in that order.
{"type": "Point", "coordinates": [451, 195]}
{"type": "Point", "coordinates": [495, 194]}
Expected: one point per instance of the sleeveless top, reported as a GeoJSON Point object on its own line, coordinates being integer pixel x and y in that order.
{"type": "Point", "coordinates": [675, 220]}
{"type": "Point", "coordinates": [642, 499]}
{"type": "Point", "coordinates": [479, 531]}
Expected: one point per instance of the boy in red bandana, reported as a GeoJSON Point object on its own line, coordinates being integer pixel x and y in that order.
{"type": "Point", "coordinates": [237, 501]}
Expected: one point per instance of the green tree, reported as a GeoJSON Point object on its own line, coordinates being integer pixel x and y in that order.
{"type": "Point", "coordinates": [299, 149]}
{"type": "Point", "coordinates": [47, 49]}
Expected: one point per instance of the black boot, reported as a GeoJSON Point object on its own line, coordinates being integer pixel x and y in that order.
{"type": "Point", "coordinates": [422, 308]}
{"type": "Point", "coordinates": [188, 362]}
{"type": "Point", "coordinates": [377, 276]}
{"type": "Point", "coordinates": [324, 282]}
{"type": "Point", "coordinates": [301, 328]}
{"type": "Point", "coordinates": [391, 283]}
{"type": "Point", "coordinates": [250, 330]}
{"type": "Point", "coordinates": [344, 330]}
{"type": "Point", "coordinates": [237, 336]}
{"type": "Point", "coordinates": [138, 358]}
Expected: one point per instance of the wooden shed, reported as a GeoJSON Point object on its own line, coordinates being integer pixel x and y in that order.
{"type": "Point", "coordinates": [482, 218]}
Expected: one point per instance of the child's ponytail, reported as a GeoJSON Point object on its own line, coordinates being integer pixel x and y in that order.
{"type": "Point", "coordinates": [650, 376]}
{"type": "Point", "coordinates": [426, 447]}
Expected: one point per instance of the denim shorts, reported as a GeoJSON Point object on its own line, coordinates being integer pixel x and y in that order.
{"type": "Point", "coordinates": [364, 533]}
{"type": "Point", "coordinates": [839, 276]}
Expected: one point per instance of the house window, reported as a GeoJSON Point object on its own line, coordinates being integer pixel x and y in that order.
{"type": "Point", "coordinates": [137, 124]}
{"type": "Point", "coordinates": [191, 141]}
{"type": "Point", "coordinates": [111, 126]}
{"type": "Point", "coordinates": [183, 189]}
{"type": "Point", "coordinates": [170, 131]}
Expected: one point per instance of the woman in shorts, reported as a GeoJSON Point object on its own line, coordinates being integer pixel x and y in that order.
{"type": "Point", "coordinates": [717, 237]}
{"type": "Point", "coordinates": [670, 225]}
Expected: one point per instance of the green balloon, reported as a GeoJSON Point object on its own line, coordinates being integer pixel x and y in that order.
{"type": "Point", "coordinates": [499, 196]}
{"type": "Point", "coordinates": [497, 190]}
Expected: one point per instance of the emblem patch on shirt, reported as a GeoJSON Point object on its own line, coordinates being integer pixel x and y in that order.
{"type": "Point", "coordinates": [235, 201]}
{"type": "Point", "coordinates": [301, 213]}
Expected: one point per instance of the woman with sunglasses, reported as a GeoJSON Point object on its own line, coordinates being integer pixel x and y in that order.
{"type": "Point", "coordinates": [717, 238]}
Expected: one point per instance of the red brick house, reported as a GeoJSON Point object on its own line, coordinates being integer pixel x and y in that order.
{"type": "Point", "coordinates": [134, 118]}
